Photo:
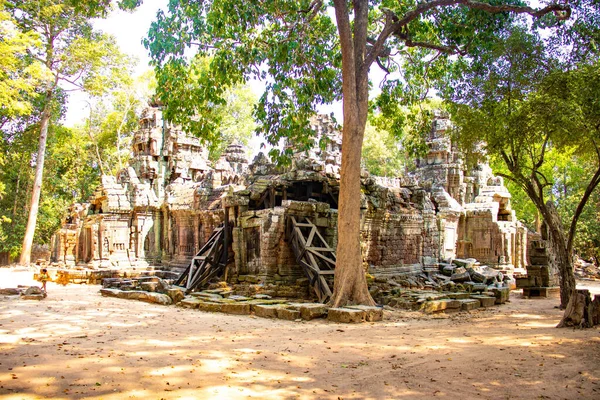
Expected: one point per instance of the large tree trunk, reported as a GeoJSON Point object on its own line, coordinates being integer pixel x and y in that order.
{"type": "Point", "coordinates": [561, 258]}
{"type": "Point", "coordinates": [350, 284]}
{"type": "Point", "coordinates": [37, 186]}
{"type": "Point", "coordinates": [581, 312]}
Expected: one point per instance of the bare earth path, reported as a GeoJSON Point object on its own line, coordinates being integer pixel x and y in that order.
{"type": "Point", "coordinates": [76, 344]}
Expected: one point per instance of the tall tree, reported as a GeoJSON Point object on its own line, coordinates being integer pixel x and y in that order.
{"type": "Point", "coordinates": [74, 55]}
{"type": "Point", "coordinates": [305, 59]}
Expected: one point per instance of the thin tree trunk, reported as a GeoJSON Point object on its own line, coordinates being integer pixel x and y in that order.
{"type": "Point", "coordinates": [350, 284]}
{"type": "Point", "coordinates": [37, 185]}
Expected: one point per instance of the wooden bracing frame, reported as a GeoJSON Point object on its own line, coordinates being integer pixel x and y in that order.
{"type": "Point", "coordinates": [313, 254]}
{"type": "Point", "coordinates": [206, 264]}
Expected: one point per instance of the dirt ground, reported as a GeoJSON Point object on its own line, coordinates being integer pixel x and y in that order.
{"type": "Point", "coordinates": [77, 344]}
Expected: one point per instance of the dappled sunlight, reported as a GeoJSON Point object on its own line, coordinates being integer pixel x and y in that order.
{"type": "Point", "coordinates": [137, 350]}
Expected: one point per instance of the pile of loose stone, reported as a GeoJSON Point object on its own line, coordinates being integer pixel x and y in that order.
{"type": "Point", "coordinates": [459, 285]}
{"type": "Point", "coordinates": [221, 298]}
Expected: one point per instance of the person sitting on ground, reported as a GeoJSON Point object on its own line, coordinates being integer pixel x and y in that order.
{"type": "Point", "coordinates": [44, 277]}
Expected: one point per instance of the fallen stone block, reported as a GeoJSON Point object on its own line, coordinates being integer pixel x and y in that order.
{"type": "Point", "coordinates": [149, 286]}
{"type": "Point", "coordinates": [10, 291]}
{"type": "Point", "coordinates": [235, 308]}
{"type": "Point", "coordinates": [176, 294]}
{"type": "Point", "coordinates": [266, 310]}
{"type": "Point", "coordinates": [486, 301]}
{"type": "Point", "coordinates": [439, 305]}
{"type": "Point", "coordinates": [502, 294]}
{"type": "Point", "coordinates": [469, 304]}
{"type": "Point", "coordinates": [33, 290]}
{"type": "Point", "coordinates": [206, 295]}
{"type": "Point", "coordinates": [288, 314]}
{"type": "Point", "coordinates": [311, 311]}
{"type": "Point", "coordinates": [110, 292]}
{"type": "Point", "coordinates": [345, 315]}
{"type": "Point", "coordinates": [459, 295]}
{"type": "Point", "coordinates": [33, 296]}
{"type": "Point", "coordinates": [157, 298]}
{"type": "Point", "coordinates": [209, 306]}
{"type": "Point", "coordinates": [189, 302]}
{"type": "Point", "coordinates": [372, 313]}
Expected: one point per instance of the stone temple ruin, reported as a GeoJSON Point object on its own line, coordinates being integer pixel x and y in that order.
{"type": "Point", "coordinates": [166, 211]}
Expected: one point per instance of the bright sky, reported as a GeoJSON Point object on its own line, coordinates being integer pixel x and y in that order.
{"type": "Point", "coordinates": [129, 29]}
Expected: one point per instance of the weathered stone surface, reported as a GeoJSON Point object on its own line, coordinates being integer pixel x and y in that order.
{"type": "Point", "coordinates": [10, 291]}
{"type": "Point", "coordinates": [469, 304]}
{"type": "Point", "coordinates": [288, 314]}
{"type": "Point", "coordinates": [502, 294]}
{"type": "Point", "coordinates": [486, 301]}
{"type": "Point", "coordinates": [345, 315]}
{"type": "Point", "coordinates": [110, 292]}
{"type": "Point", "coordinates": [206, 295]}
{"type": "Point", "coordinates": [176, 294]}
{"type": "Point", "coordinates": [459, 295]}
{"type": "Point", "coordinates": [236, 308]}
{"type": "Point", "coordinates": [151, 286]}
{"type": "Point", "coordinates": [31, 290]}
{"type": "Point", "coordinates": [440, 305]}
{"type": "Point", "coordinates": [189, 302]}
{"type": "Point", "coordinates": [33, 296]}
{"type": "Point", "coordinates": [158, 298]}
{"type": "Point", "coordinates": [547, 292]}
{"type": "Point", "coordinates": [310, 311]}
{"type": "Point", "coordinates": [267, 310]}
{"type": "Point", "coordinates": [372, 314]}
{"type": "Point", "coordinates": [210, 306]}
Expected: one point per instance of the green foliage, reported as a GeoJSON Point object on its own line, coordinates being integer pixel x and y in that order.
{"type": "Point", "coordinates": [292, 49]}
{"type": "Point", "coordinates": [536, 118]}
{"type": "Point", "coordinates": [382, 154]}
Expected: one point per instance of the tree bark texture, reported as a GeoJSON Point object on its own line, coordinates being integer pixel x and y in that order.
{"type": "Point", "coordinates": [561, 258]}
{"type": "Point", "coordinates": [350, 284]}
{"type": "Point", "coordinates": [37, 186]}
{"type": "Point", "coordinates": [581, 312]}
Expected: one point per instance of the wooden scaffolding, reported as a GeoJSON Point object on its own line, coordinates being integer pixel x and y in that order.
{"type": "Point", "coordinates": [209, 262]}
{"type": "Point", "coordinates": [312, 253]}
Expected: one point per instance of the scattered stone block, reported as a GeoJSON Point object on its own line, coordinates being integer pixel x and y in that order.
{"type": "Point", "coordinates": [546, 292]}
{"type": "Point", "coordinates": [33, 296]}
{"type": "Point", "coordinates": [502, 294]}
{"type": "Point", "coordinates": [486, 301]}
{"type": "Point", "coordinates": [158, 298]}
{"type": "Point", "coordinates": [236, 308]}
{"type": "Point", "coordinates": [459, 295]}
{"type": "Point", "coordinates": [110, 292]}
{"type": "Point", "coordinates": [149, 286]}
{"type": "Point", "coordinates": [238, 298]}
{"type": "Point", "coordinates": [10, 291]}
{"type": "Point", "coordinates": [345, 315]}
{"type": "Point", "coordinates": [189, 302]}
{"type": "Point", "coordinates": [288, 314]}
{"type": "Point", "coordinates": [209, 306]}
{"type": "Point", "coordinates": [176, 294]}
{"type": "Point", "coordinates": [31, 290]}
{"type": "Point", "coordinates": [311, 311]}
{"type": "Point", "coordinates": [469, 304]}
{"type": "Point", "coordinates": [372, 313]}
{"type": "Point", "coordinates": [266, 310]}
{"type": "Point", "coordinates": [206, 295]}
{"type": "Point", "coordinates": [439, 305]}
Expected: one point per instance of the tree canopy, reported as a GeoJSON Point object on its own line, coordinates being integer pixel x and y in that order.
{"type": "Point", "coordinates": [305, 60]}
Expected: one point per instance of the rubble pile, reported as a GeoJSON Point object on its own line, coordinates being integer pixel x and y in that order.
{"type": "Point", "coordinates": [586, 270]}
